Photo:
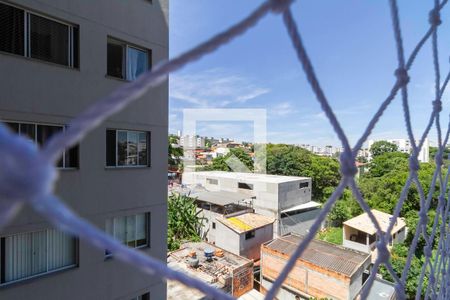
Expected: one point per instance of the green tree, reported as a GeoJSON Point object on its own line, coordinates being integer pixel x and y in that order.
{"type": "Point", "coordinates": [381, 147]}
{"type": "Point", "coordinates": [220, 163]}
{"type": "Point", "coordinates": [184, 223]}
{"type": "Point", "coordinates": [291, 160]}
{"type": "Point", "coordinates": [386, 162]}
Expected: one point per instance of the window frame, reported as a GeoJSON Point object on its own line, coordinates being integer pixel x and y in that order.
{"type": "Point", "coordinates": [126, 166]}
{"type": "Point", "coordinates": [27, 36]}
{"type": "Point", "coordinates": [245, 186]}
{"type": "Point", "coordinates": [35, 141]}
{"type": "Point", "coordinates": [250, 234]}
{"type": "Point", "coordinates": [148, 219]}
{"type": "Point", "coordinates": [303, 185]}
{"type": "Point", "coordinates": [47, 230]}
{"type": "Point", "coordinates": [125, 46]}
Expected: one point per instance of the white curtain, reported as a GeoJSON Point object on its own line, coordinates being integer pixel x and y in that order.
{"type": "Point", "coordinates": [37, 252]}
{"type": "Point", "coordinates": [137, 63]}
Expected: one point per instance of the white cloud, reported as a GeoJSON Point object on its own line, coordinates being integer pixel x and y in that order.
{"type": "Point", "coordinates": [214, 88]}
{"type": "Point", "coordinates": [282, 109]}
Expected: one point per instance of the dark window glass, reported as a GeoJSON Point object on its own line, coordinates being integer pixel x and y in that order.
{"type": "Point", "coordinates": [45, 132]}
{"type": "Point", "coordinates": [143, 150]}
{"type": "Point", "coordinates": [303, 185]}
{"type": "Point", "coordinates": [76, 47]}
{"type": "Point", "coordinates": [12, 32]}
{"type": "Point", "coordinates": [247, 186]}
{"type": "Point", "coordinates": [114, 55]}
{"type": "Point", "coordinates": [71, 158]}
{"type": "Point", "coordinates": [249, 234]}
{"type": "Point", "coordinates": [121, 148]}
{"type": "Point", "coordinates": [13, 126]}
{"type": "Point", "coordinates": [28, 130]}
{"type": "Point", "coordinates": [213, 225]}
{"type": "Point", "coordinates": [49, 40]}
{"type": "Point", "coordinates": [111, 148]}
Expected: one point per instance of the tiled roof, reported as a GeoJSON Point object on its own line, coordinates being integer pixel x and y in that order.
{"type": "Point", "coordinates": [363, 222]}
{"type": "Point", "coordinates": [322, 254]}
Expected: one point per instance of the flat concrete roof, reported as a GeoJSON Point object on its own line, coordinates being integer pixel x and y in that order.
{"type": "Point", "coordinates": [246, 222]}
{"type": "Point", "coordinates": [364, 224]}
{"type": "Point", "coordinates": [221, 198]}
{"type": "Point", "coordinates": [322, 254]}
{"type": "Point", "coordinates": [216, 272]}
{"type": "Point", "coordinates": [252, 177]}
{"type": "Point", "coordinates": [381, 290]}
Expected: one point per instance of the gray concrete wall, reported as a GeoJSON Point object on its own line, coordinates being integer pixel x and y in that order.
{"type": "Point", "coordinates": [299, 223]}
{"type": "Point", "coordinates": [251, 248]}
{"type": "Point", "coordinates": [228, 239]}
{"type": "Point", "coordinates": [36, 91]}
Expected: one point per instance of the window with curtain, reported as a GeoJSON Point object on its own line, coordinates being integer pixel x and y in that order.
{"type": "Point", "coordinates": [28, 34]}
{"type": "Point", "coordinates": [132, 230]}
{"type": "Point", "coordinates": [30, 254]}
{"type": "Point", "coordinates": [127, 148]}
{"type": "Point", "coordinates": [40, 134]}
{"type": "Point", "coordinates": [126, 61]}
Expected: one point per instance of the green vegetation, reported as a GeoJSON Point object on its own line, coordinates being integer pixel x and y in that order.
{"type": "Point", "coordinates": [382, 147]}
{"type": "Point", "coordinates": [220, 163]}
{"type": "Point", "coordinates": [175, 154]}
{"type": "Point", "coordinates": [184, 223]}
{"type": "Point", "coordinates": [331, 235]}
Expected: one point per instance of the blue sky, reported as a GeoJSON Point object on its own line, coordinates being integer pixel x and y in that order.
{"type": "Point", "coordinates": [352, 49]}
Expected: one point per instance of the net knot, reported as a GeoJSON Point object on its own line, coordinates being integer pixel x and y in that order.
{"type": "Point", "coordinates": [432, 279]}
{"type": "Point", "coordinates": [437, 105]}
{"type": "Point", "coordinates": [435, 17]}
{"type": "Point", "coordinates": [24, 175]}
{"type": "Point", "coordinates": [402, 76]}
{"type": "Point", "coordinates": [414, 164]}
{"type": "Point", "coordinates": [427, 251]}
{"type": "Point", "coordinates": [383, 252]}
{"type": "Point", "coordinates": [279, 6]}
{"type": "Point", "coordinates": [423, 217]}
{"type": "Point", "coordinates": [348, 167]}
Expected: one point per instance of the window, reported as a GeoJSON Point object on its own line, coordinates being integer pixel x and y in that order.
{"type": "Point", "coordinates": [30, 254]}
{"type": "Point", "coordinates": [213, 225]}
{"type": "Point", "coordinates": [40, 134]}
{"type": "Point", "coordinates": [249, 234]}
{"type": "Point", "coordinates": [303, 185]}
{"type": "Point", "coordinates": [127, 148]}
{"type": "Point", "coordinates": [145, 296]}
{"type": "Point", "coordinates": [212, 181]}
{"type": "Point", "coordinates": [28, 34]}
{"type": "Point", "coordinates": [132, 231]}
{"type": "Point", "coordinates": [126, 61]}
{"type": "Point", "coordinates": [246, 186]}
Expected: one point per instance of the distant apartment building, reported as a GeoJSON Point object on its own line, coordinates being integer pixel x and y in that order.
{"type": "Point", "coordinates": [404, 145]}
{"type": "Point", "coordinates": [359, 233]}
{"type": "Point", "coordinates": [323, 271]}
{"type": "Point", "coordinates": [193, 142]}
{"type": "Point", "coordinates": [286, 199]}
{"type": "Point", "coordinates": [56, 59]}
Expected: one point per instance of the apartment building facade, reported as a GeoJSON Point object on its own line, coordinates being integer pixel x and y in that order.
{"type": "Point", "coordinates": [57, 57]}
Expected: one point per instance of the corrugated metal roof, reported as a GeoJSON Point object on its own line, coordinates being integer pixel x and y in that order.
{"type": "Point", "coordinates": [322, 254]}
